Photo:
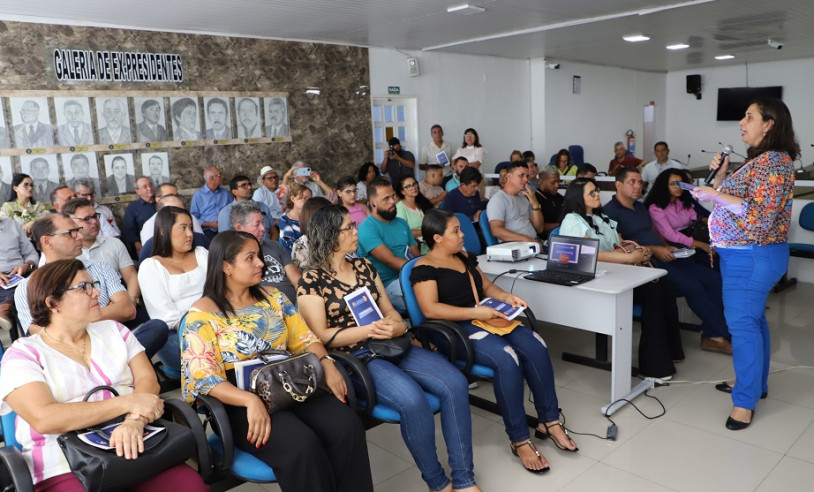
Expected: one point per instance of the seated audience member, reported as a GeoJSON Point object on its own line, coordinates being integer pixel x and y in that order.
{"type": "Point", "coordinates": [18, 258]}
{"type": "Point", "coordinates": [241, 188]}
{"type": "Point", "coordinates": [564, 165]}
{"type": "Point", "coordinates": [449, 285]}
{"type": "Point", "coordinates": [502, 173]}
{"type": "Point", "coordinates": [85, 189]}
{"type": "Point", "coordinates": [533, 172]}
{"type": "Point", "coordinates": [621, 159]}
{"type": "Point", "coordinates": [299, 250]}
{"type": "Point", "coordinates": [699, 284]}
{"type": "Point", "coordinates": [321, 292]}
{"type": "Point", "coordinates": [662, 162]}
{"type": "Point", "coordinates": [164, 192]}
{"type": "Point", "coordinates": [290, 221]}
{"type": "Point", "coordinates": [702, 211]}
{"type": "Point", "coordinates": [367, 173]}
{"type": "Point", "coordinates": [60, 239]}
{"type": "Point", "coordinates": [279, 272]}
{"type": "Point", "coordinates": [198, 237]}
{"type": "Point", "coordinates": [465, 199]}
{"type": "Point", "coordinates": [385, 240]}
{"type": "Point", "coordinates": [431, 186]}
{"type": "Point", "coordinates": [60, 196]}
{"type": "Point", "coordinates": [660, 342]}
{"type": "Point", "coordinates": [270, 193]}
{"type": "Point", "coordinates": [45, 376]}
{"type": "Point", "coordinates": [454, 181]}
{"type": "Point", "coordinates": [672, 211]}
{"type": "Point", "coordinates": [317, 445]}
{"type": "Point", "coordinates": [397, 162]}
{"type": "Point", "coordinates": [514, 212]}
{"type": "Point", "coordinates": [550, 199]}
{"type": "Point", "coordinates": [586, 170]}
{"type": "Point", "coordinates": [137, 213]}
{"type": "Point", "coordinates": [313, 181]}
{"type": "Point", "coordinates": [347, 192]}
{"type": "Point", "coordinates": [21, 206]}
{"type": "Point", "coordinates": [411, 206]}
{"type": "Point", "coordinates": [207, 201]}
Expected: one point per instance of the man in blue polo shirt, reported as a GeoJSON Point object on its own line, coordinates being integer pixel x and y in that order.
{"type": "Point", "coordinates": [701, 286]}
{"type": "Point", "coordinates": [207, 202]}
{"type": "Point", "coordinates": [384, 239]}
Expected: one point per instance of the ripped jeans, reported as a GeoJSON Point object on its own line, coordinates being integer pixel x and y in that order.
{"type": "Point", "coordinates": [521, 354]}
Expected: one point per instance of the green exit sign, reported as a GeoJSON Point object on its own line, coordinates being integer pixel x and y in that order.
{"type": "Point", "coordinates": [394, 90]}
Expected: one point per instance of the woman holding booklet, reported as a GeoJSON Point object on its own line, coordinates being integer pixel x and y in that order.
{"type": "Point", "coordinates": [450, 286]}
{"type": "Point", "coordinates": [317, 445]}
{"type": "Point", "coordinates": [322, 297]}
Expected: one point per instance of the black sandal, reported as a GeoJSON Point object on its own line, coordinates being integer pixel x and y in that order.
{"type": "Point", "coordinates": [545, 435]}
{"type": "Point", "coordinates": [528, 442]}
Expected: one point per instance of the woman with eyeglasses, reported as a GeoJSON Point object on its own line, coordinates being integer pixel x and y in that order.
{"type": "Point", "coordinates": [348, 189]}
{"type": "Point", "coordinates": [401, 385]}
{"type": "Point", "coordinates": [45, 377]}
{"type": "Point", "coordinates": [660, 343]}
{"type": "Point", "coordinates": [672, 210]}
{"type": "Point", "coordinates": [21, 206]}
{"type": "Point", "coordinates": [411, 206]}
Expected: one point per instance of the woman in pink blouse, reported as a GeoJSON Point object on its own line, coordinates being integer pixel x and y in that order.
{"type": "Point", "coordinates": [672, 210]}
{"type": "Point", "coordinates": [748, 228]}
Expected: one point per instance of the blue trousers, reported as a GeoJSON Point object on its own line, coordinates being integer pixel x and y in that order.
{"type": "Point", "coordinates": [402, 388]}
{"type": "Point", "coordinates": [749, 272]}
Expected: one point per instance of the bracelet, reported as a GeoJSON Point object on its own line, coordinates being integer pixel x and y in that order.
{"type": "Point", "coordinates": [328, 357]}
{"type": "Point", "coordinates": [537, 208]}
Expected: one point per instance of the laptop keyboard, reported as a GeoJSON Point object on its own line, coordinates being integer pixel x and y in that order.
{"type": "Point", "coordinates": [554, 276]}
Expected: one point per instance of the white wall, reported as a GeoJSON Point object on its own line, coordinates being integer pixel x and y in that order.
{"type": "Point", "coordinates": [457, 92]}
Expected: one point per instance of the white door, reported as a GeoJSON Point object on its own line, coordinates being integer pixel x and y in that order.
{"type": "Point", "coordinates": [394, 116]}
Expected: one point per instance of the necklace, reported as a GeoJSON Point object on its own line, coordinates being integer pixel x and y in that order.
{"type": "Point", "coordinates": [80, 350]}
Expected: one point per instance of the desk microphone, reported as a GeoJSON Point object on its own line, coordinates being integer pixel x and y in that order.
{"type": "Point", "coordinates": [724, 154]}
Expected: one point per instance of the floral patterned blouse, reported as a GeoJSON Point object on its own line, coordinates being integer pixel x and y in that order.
{"type": "Point", "coordinates": [766, 186]}
{"type": "Point", "coordinates": [21, 214]}
{"type": "Point", "coordinates": [213, 342]}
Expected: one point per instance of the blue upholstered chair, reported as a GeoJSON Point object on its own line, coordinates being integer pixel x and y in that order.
{"type": "Point", "coordinates": [486, 229]}
{"type": "Point", "coordinates": [471, 240]}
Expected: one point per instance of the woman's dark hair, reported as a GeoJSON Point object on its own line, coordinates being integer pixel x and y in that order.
{"type": "Point", "coordinates": [422, 201]}
{"type": "Point", "coordinates": [435, 222]}
{"type": "Point", "coordinates": [364, 170]}
{"type": "Point", "coordinates": [780, 137]}
{"type": "Point", "coordinates": [575, 202]}
{"type": "Point", "coordinates": [660, 191]}
{"type": "Point", "coordinates": [162, 231]}
{"type": "Point", "coordinates": [16, 179]}
{"type": "Point", "coordinates": [50, 280]}
{"type": "Point", "coordinates": [344, 182]}
{"type": "Point", "coordinates": [311, 205]}
{"type": "Point", "coordinates": [324, 238]}
{"type": "Point", "coordinates": [224, 248]}
{"type": "Point", "coordinates": [477, 138]}
{"type": "Point", "coordinates": [563, 152]}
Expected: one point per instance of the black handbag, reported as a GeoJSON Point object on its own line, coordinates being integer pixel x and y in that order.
{"type": "Point", "coordinates": [281, 383]}
{"type": "Point", "coordinates": [390, 349]}
{"type": "Point", "coordinates": [697, 230]}
{"type": "Point", "coordinates": [100, 469]}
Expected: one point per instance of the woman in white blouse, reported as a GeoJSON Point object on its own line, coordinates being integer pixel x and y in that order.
{"type": "Point", "coordinates": [173, 278]}
{"type": "Point", "coordinates": [474, 153]}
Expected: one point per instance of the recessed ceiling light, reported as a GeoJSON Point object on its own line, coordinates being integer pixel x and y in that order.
{"type": "Point", "coordinates": [465, 9]}
{"type": "Point", "coordinates": [678, 46]}
{"type": "Point", "coordinates": [635, 38]}
{"type": "Point", "coordinates": [724, 57]}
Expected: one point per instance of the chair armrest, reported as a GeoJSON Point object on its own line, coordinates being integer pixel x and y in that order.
{"type": "Point", "coordinates": [453, 331]}
{"type": "Point", "coordinates": [351, 396]}
{"type": "Point", "coordinates": [529, 314]}
{"type": "Point", "coordinates": [352, 365]}
{"type": "Point", "coordinates": [15, 469]}
{"type": "Point", "coordinates": [217, 417]}
{"type": "Point", "coordinates": [181, 412]}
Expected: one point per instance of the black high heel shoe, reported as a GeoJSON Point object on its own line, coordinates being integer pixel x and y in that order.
{"type": "Point", "coordinates": [728, 389]}
{"type": "Point", "coordinates": [528, 442]}
{"type": "Point", "coordinates": [737, 425]}
{"type": "Point", "coordinates": [545, 435]}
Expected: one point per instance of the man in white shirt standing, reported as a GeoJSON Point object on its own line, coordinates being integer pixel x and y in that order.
{"type": "Point", "coordinates": [652, 169]}
{"type": "Point", "coordinates": [85, 189]}
{"type": "Point", "coordinates": [429, 154]}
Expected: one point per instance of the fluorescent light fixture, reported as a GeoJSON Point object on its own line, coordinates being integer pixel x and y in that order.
{"type": "Point", "coordinates": [636, 38]}
{"type": "Point", "coordinates": [724, 57]}
{"type": "Point", "coordinates": [677, 46]}
{"type": "Point", "coordinates": [314, 91]}
{"type": "Point", "coordinates": [465, 9]}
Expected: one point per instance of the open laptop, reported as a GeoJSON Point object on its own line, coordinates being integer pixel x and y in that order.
{"type": "Point", "coordinates": [571, 261]}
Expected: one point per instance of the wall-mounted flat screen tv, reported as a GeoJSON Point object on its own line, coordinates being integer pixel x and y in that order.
{"type": "Point", "coordinates": [733, 101]}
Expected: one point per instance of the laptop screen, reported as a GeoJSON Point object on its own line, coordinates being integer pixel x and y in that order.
{"type": "Point", "coordinates": [572, 254]}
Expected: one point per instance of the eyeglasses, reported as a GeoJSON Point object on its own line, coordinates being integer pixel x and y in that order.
{"type": "Point", "coordinates": [269, 178]}
{"type": "Point", "coordinates": [594, 193]}
{"type": "Point", "coordinates": [675, 183]}
{"type": "Point", "coordinates": [86, 286]}
{"type": "Point", "coordinates": [27, 185]}
{"type": "Point", "coordinates": [89, 218]}
{"type": "Point", "coordinates": [410, 186]}
{"type": "Point", "coordinates": [469, 134]}
{"type": "Point", "coordinates": [70, 232]}
{"type": "Point", "coordinates": [244, 185]}
{"type": "Point", "coordinates": [217, 175]}
{"type": "Point", "coordinates": [351, 227]}
{"type": "Point", "coordinates": [349, 191]}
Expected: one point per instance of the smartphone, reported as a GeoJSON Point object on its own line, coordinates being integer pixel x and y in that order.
{"type": "Point", "coordinates": [303, 171]}
{"type": "Point", "coordinates": [686, 186]}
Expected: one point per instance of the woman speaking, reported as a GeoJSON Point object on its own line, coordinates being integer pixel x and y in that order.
{"type": "Point", "coordinates": [748, 228]}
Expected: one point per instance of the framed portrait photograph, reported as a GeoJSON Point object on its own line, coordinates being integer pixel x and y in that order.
{"type": "Point", "coordinates": [151, 122]}
{"type": "Point", "coordinates": [276, 116]}
{"type": "Point", "coordinates": [249, 117]}
{"type": "Point", "coordinates": [32, 123]}
{"type": "Point", "coordinates": [73, 121]}
{"type": "Point", "coordinates": [156, 166]}
{"type": "Point", "coordinates": [113, 120]}
{"type": "Point", "coordinates": [44, 172]}
{"type": "Point", "coordinates": [5, 135]}
{"type": "Point", "coordinates": [120, 174]}
{"type": "Point", "coordinates": [186, 121]}
{"type": "Point", "coordinates": [6, 174]}
{"type": "Point", "coordinates": [80, 167]}
{"type": "Point", "coordinates": [218, 118]}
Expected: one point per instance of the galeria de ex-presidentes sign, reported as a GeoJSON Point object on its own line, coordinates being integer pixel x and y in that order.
{"type": "Point", "coordinates": [116, 66]}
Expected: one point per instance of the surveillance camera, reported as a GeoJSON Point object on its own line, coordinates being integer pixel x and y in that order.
{"type": "Point", "coordinates": [775, 44]}
{"type": "Point", "coordinates": [552, 66]}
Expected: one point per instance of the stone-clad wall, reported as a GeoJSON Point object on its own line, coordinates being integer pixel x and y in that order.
{"type": "Point", "coordinates": [331, 131]}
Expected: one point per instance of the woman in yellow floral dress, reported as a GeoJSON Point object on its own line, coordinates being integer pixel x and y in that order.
{"type": "Point", "coordinates": [317, 445]}
{"type": "Point", "coordinates": [21, 206]}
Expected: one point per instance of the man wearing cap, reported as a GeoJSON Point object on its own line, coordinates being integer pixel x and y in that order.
{"type": "Point", "coordinates": [397, 162]}
{"type": "Point", "coordinates": [268, 184]}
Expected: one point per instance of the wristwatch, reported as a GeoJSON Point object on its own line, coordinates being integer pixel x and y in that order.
{"type": "Point", "coordinates": [538, 207]}
{"type": "Point", "coordinates": [326, 356]}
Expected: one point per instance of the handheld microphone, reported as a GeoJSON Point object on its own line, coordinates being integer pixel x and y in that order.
{"type": "Point", "coordinates": [724, 154]}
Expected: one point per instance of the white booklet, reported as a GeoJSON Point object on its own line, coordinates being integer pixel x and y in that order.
{"type": "Point", "coordinates": [100, 438]}
{"type": "Point", "coordinates": [13, 280]}
{"type": "Point", "coordinates": [362, 306]}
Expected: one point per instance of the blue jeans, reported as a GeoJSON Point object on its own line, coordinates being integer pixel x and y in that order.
{"type": "Point", "coordinates": [515, 356]}
{"type": "Point", "coordinates": [749, 272]}
{"type": "Point", "coordinates": [402, 388]}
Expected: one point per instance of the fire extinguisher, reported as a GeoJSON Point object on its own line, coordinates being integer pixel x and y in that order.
{"type": "Point", "coordinates": [631, 141]}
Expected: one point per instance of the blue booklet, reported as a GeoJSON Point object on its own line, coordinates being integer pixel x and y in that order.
{"type": "Point", "coordinates": [442, 158]}
{"type": "Point", "coordinates": [510, 311]}
{"type": "Point", "coordinates": [244, 368]}
{"type": "Point", "coordinates": [408, 253]}
{"type": "Point", "coordinates": [101, 437]}
{"type": "Point", "coordinates": [363, 307]}
{"type": "Point", "coordinates": [13, 280]}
